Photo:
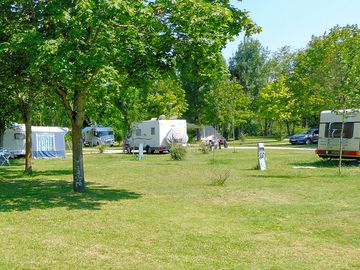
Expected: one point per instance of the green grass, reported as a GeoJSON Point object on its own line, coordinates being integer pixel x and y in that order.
{"type": "Point", "coordinates": [163, 214]}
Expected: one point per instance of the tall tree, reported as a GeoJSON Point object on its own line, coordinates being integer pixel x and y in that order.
{"type": "Point", "coordinates": [248, 66]}
{"type": "Point", "coordinates": [20, 43]}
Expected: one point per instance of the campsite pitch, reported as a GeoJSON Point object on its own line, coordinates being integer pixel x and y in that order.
{"type": "Point", "coordinates": [163, 214]}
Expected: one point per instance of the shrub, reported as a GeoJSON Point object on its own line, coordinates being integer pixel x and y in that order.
{"type": "Point", "coordinates": [101, 148]}
{"type": "Point", "coordinates": [204, 148]}
{"type": "Point", "coordinates": [178, 152]}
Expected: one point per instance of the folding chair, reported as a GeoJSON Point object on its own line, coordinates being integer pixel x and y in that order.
{"type": "Point", "coordinates": [4, 157]}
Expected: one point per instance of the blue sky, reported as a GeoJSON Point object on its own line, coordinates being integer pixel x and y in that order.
{"type": "Point", "coordinates": [293, 22]}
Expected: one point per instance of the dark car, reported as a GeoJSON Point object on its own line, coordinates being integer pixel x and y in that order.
{"type": "Point", "coordinates": [306, 137]}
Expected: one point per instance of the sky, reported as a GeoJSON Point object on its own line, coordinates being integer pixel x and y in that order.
{"type": "Point", "coordinates": [293, 22]}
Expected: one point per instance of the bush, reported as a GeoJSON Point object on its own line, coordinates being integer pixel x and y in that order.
{"type": "Point", "coordinates": [101, 148]}
{"type": "Point", "coordinates": [178, 152]}
{"type": "Point", "coordinates": [204, 148]}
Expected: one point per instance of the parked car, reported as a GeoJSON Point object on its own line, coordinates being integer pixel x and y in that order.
{"type": "Point", "coordinates": [306, 137]}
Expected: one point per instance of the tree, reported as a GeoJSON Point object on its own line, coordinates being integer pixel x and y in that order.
{"type": "Point", "coordinates": [20, 43]}
{"type": "Point", "coordinates": [227, 105]}
{"type": "Point", "coordinates": [166, 97]}
{"type": "Point", "coordinates": [326, 74]}
{"type": "Point", "coordinates": [276, 102]}
{"type": "Point", "coordinates": [248, 66]}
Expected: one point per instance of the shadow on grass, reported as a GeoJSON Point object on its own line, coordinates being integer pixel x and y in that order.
{"type": "Point", "coordinates": [333, 163]}
{"type": "Point", "coordinates": [35, 193]}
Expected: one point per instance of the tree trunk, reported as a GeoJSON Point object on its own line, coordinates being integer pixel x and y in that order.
{"type": "Point", "coordinates": [78, 162]}
{"type": "Point", "coordinates": [77, 115]}
{"type": "Point", "coordinates": [288, 128]}
{"type": "Point", "coordinates": [2, 131]}
{"type": "Point", "coordinates": [28, 139]}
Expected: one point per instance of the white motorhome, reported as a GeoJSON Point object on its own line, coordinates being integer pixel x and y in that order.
{"type": "Point", "coordinates": [330, 134]}
{"type": "Point", "coordinates": [156, 135]}
{"type": "Point", "coordinates": [96, 135]}
{"type": "Point", "coordinates": [47, 142]}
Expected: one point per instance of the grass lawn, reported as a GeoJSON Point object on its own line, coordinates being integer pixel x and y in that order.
{"type": "Point", "coordinates": [162, 214]}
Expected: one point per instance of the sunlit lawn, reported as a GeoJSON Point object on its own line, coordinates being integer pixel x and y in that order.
{"type": "Point", "coordinates": [162, 214]}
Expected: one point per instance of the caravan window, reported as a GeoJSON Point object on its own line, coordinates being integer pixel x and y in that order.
{"type": "Point", "coordinates": [19, 136]}
{"type": "Point", "coordinates": [138, 132]}
{"type": "Point", "coordinates": [152, 131]}
{"type": "Point", "coordinates": [333, 130]}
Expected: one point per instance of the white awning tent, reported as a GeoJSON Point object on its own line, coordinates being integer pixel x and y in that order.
{"type": "Point", "coordinates": [47, 142]}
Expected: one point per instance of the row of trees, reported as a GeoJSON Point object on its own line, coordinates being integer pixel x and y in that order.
{"type": "Point", "coordinates": [289, 89]}
{"type": "Point", "coordinates": [113, 62]}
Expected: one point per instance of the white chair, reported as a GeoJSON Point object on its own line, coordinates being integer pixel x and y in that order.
{"type": "Point", "coordinates": [5, 155]}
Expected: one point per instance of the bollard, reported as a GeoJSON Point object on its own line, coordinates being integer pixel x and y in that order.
{"type": "Point", "coordinates": [261, 156]}
{"type": "Point", "coordinates": [141, 151]}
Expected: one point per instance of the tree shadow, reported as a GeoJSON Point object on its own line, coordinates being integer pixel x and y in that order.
{"type": "Point", "coordinates": [27, 194]}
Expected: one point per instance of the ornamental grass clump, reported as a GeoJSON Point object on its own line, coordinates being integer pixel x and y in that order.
{"type": "Point", "coordinates": [178, 152]}
{"type": "Point", "coordinates": [219, 177]}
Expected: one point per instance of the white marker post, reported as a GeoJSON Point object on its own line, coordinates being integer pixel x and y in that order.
{"type": "Point", "coordinates": [261, 156]}
{"type": "Point", "coordinates": [141, 151]}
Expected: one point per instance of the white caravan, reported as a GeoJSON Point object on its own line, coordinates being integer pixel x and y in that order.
{"type": "Point", "coordinates": [330, 133]}
{"type": "Point", "coordinates": [157, 135]}
{"type": "Point", "coordinates": [96, 135]}
{"type": "Point", "coordinates": [47, 142]}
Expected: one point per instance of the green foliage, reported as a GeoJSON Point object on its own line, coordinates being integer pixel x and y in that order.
{"type": "Point", "coordinates": [178, 152]}
{"type": "Point", "coordinates": [166, 97]}
{"type": "Point", "coordinates": [327, 71]}
{"type": "Point", "coordinates": [226, 104]}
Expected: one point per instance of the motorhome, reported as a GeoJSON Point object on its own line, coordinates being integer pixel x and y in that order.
{"type": "Point", "coordinates": [156, 135]}
{"type": "Point", "coordinates": [98, 135]}
{"type": "Point", "coordinates": [330, 134]}
{"type": "Point", "coordinates": [47, 142]}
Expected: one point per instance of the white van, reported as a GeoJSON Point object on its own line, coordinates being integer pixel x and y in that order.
{"type": "Point", "coordinates": [330, 133]}
{"type": "Point", "coordinates": [156, 135]}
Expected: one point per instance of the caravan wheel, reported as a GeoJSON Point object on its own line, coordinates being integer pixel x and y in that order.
{"type": "Point", "coordinates": [148, 149]}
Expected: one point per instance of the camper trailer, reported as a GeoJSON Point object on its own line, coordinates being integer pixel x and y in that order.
{"type": "Point", "coordinates": [156, 135]}
{"type": "Point", "coordinates": [47, 142]}
{"type": "Point", "coordinates": [96, 135]}
{"type": "Point", "coordinates": [330, 134]}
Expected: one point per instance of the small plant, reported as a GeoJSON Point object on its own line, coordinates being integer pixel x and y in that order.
{"type": "Point", "coordinates": [242, 137]}
{"type": "Point", "coordinates": [219, 177]}
{"type": "Point", "coordinates": [204, 148]}
{"type": "Point", "coordinates": [178, 152]}
{"type": "Point", "coordinates": [101, 148]}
